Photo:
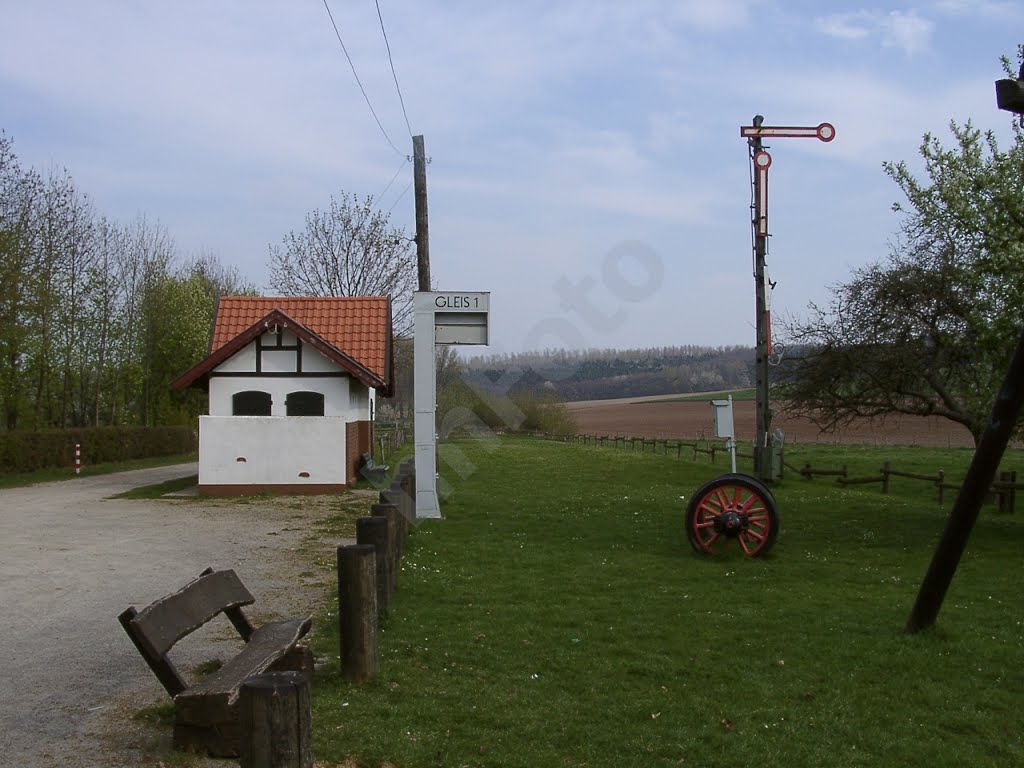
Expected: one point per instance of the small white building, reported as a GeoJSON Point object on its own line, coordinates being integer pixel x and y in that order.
{"type": "Point", "coordinates": [290, 383]}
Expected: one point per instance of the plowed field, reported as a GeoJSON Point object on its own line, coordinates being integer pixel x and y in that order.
{"type": "Point", "coordinates": [658, 418]}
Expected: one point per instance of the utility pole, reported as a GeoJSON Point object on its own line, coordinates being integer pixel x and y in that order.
{"type": "Point", "coordinates": [763, 434]}
{"type": "Point", "coordinates": [419, 176]}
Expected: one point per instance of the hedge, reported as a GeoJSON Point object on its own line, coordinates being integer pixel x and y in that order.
{"type": "Point", "coordinates": [29, 451]}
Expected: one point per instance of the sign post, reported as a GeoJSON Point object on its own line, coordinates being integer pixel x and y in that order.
{"type": "Point", "coordinates": [440, 317]}
{"type": "Point", "coordinates": [767, 464]}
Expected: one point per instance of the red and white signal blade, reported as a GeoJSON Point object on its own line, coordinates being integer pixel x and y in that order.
{"type": "Point", "coordinates": [822, 132]}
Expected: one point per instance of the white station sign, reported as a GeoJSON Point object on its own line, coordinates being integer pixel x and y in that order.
{"type": "Point", "coordinates": [441, 317]}
{"type": "Point", "coordinates": [459, 318]}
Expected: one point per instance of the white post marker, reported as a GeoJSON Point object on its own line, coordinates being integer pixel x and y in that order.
{"type": "Point", "coordinates": [724, 426]}
{"type": "Point", "coordinates": [440, 317]}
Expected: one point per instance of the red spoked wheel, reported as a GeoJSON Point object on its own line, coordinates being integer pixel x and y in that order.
{"type": "Point", "coordinates": [732, 506]}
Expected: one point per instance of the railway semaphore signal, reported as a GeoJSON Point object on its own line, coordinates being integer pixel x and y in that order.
{"type": "Point", "coordinates": [767, 459]}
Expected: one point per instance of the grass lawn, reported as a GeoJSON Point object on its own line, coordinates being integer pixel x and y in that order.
{"type": "Point", "coordinates": [558, 617]}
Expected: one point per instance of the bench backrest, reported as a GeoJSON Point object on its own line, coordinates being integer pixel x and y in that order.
{"type": "Point", "coordinates": [165, 622]}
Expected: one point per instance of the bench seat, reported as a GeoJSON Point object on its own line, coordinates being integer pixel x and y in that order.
{"type": "Point", "coordinates": [206, 711]}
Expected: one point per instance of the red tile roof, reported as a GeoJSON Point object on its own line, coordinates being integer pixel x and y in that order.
{"type": "Point", "coordinates": [357, 331]}
{"type": "Point", "coordinates": [358, 326]}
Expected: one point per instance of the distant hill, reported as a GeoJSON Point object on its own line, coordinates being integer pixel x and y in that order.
{"type": "Point", "coordinates": [602, 374]}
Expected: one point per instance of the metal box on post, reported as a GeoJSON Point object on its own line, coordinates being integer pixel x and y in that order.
{"type": "Point", "coordinates": [723, 418]}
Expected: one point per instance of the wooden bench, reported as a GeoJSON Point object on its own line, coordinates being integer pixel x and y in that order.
{"type": "Point", "coordinates": [206, 712]}
{"type": "Point", "coordinates": [371, 470]}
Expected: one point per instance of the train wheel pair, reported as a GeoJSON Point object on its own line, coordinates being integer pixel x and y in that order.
{"type": "Point", "coordinates": [732, 506]}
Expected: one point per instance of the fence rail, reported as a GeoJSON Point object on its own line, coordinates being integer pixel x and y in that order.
{"type": "Point", "coordinates": [1003, 491]}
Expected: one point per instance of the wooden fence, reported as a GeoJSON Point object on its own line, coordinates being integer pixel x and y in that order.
{"type": "Point", "coordinates": [656, 445]}
{"type": "Point", "coordinates": [1003, 491]}
{"type": "Point", "coordinates": [388, 439]}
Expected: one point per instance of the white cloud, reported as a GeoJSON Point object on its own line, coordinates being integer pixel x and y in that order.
{"type": "Point", "coordinates": [906, 31]}
{"type": "Point", "coordinates": [846, 26]}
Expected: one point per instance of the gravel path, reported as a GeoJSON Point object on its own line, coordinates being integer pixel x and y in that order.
{"type": "Point", "coordinates": [72, 558]}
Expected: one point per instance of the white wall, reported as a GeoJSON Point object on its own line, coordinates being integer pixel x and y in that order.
{"type": "Point", "coordinates": [276, 450]}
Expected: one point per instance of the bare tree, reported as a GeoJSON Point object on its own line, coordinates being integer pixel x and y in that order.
{"type": "Point", "coordinates": [348, 250]}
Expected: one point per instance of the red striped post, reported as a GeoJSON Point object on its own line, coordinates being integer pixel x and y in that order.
{"type": "Point", "coordinates": [78, 458]}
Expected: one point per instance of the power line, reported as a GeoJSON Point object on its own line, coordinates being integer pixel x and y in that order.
{"type": "Point", "coordinates": [405, 162]}
{"type": "Point", "coordinates": [392, 62]}
{"type": "Point", "coordinates": [359, 82]}
{"type": "Point", "coordinates": [407, 188]}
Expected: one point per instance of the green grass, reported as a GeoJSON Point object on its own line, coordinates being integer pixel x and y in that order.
{"type": "Point", "coordinates": [157, 490]}
{"type": "Point", "coordinates": [557, 617]}
{"type": "Point", "coordinates": [20, 479]}
{"type": "Point", "coordinates": [161, 715]}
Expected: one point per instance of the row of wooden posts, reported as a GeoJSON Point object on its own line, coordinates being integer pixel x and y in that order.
{"type": "Point", "coordinates": [1003, 491]}
{"type": "Point", "coordinates": [657, 445]}
{"type": "Point", "coordinates": [390, 440]}
{"type": "Point", "coordinates": [368, 574]}
{"type": "Point", "coordinates": [274, 708]}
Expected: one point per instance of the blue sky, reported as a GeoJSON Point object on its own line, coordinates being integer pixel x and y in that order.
{"type": "Point", "coordinates": [586, 168]}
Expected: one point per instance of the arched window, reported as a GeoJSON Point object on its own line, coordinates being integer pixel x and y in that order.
{"type": "Point", "coordinates": [304, 404]}
{"type": "Point", "coordinates": [250, 403]}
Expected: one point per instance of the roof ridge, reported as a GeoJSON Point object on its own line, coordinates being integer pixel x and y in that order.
{"type": "Point", "coordinates": [306, 298]}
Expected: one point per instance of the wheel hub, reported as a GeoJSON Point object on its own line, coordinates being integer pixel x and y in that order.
{"type": "Point", "coordinates": [730, 524]}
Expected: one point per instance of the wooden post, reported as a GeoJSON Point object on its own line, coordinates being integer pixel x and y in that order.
{"type": "Point", "coordinates": [374, 531]}
{"type": "Point", "coordinates": [357, 612]}
{"type": "Point", "coordinates": [396, 536]}
{"type": "Point", "coordinates": [407, 485]}
{"type": "Point", "coordinates": [419, 177]}
{"type": "Point", "coordinates": [1006, 493]}
{"type": "Point", "coordinates": [275, 722]}
{"type": "Point", "coordinates": [397, 497]}
{"type": "Point", "coordinates": [886, 476]}
{"type": "Point", "coordinates": [1012, 491]}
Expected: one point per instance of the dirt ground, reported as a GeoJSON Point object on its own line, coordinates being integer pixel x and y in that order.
{"type": "Point", "coordinates": [72, 558]}
{"type": "Point", "coordinates": [690, 420]}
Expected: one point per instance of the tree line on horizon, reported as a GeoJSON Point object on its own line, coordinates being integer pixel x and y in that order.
{"type": "Point", "coordinates": [601, 374]}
